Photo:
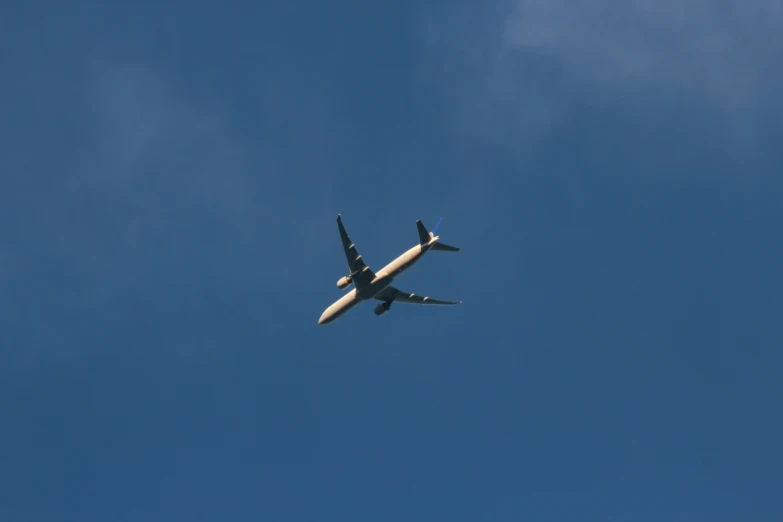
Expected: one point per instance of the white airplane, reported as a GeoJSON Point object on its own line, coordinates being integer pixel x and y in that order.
{"type": "Point", "coordinates": [369, 285]}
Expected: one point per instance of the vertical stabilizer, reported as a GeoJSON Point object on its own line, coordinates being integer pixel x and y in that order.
{"type": "Point", "coordinates": [424, 236]}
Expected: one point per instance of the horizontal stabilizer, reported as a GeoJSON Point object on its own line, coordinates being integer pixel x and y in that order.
{"type": "Point", "coordinates": [446, 248]}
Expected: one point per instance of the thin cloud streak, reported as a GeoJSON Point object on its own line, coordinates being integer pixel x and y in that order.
{"type": "Point", "coordinates": [175, 192]}
{"type": "Point", "coordinates": [513, 68]}
{"type": "Point", "coordinates": [716, 50]}
{"type": "Point", "coordinates": [160, 199]}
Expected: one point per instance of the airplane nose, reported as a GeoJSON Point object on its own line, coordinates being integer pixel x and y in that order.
{"type": "Point", "coordinates": [323, 319]}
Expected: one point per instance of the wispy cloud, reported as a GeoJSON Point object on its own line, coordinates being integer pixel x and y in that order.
{"type": "Point", "coordinates": [182, 190]}
{"type": "Point", "coordinates": [717, 49]}
{"type": "Point", "coordinates": [514, 65]}
{"type": "Point", "coordinates": [162, 194]}
{"type": "Point", "coordinates": [163, 187]}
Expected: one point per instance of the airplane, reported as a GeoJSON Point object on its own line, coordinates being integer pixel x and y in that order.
{"type": "Point", "coordinates": [369, 285]}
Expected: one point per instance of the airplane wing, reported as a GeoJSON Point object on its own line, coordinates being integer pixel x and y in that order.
{"type": "Point", "coordinates": [392, 294]}
{"type": "Point", "coordinates": [362, 275]}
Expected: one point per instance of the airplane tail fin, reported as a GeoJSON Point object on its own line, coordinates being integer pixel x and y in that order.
{"type": "Point", "coordinates": [424, 238]}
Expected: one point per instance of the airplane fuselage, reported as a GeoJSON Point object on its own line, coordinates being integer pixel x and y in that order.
{"type": "Point", "coordinates": [383, 278]}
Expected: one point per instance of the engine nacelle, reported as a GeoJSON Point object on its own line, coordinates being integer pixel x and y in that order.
{"type": "Point", "coordinates": [382, 308]}
{"type": "Point", "coordinates": [344, 281]}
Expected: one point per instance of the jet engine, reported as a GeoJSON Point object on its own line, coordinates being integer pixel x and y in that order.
{"type": "Point", "coordinates": [344, 281]}
{"type": "Point", "coordinates": [382, 308]}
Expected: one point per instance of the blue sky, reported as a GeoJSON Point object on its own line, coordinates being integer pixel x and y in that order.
{"type": "Point", "coordinates": [171, 175]}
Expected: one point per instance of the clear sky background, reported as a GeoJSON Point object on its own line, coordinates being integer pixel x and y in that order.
{"type": "Point", "coordinates": [170, 177]}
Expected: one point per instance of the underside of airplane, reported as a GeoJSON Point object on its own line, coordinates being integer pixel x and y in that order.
{"type": "Point", "coordinates": [371, 285]}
